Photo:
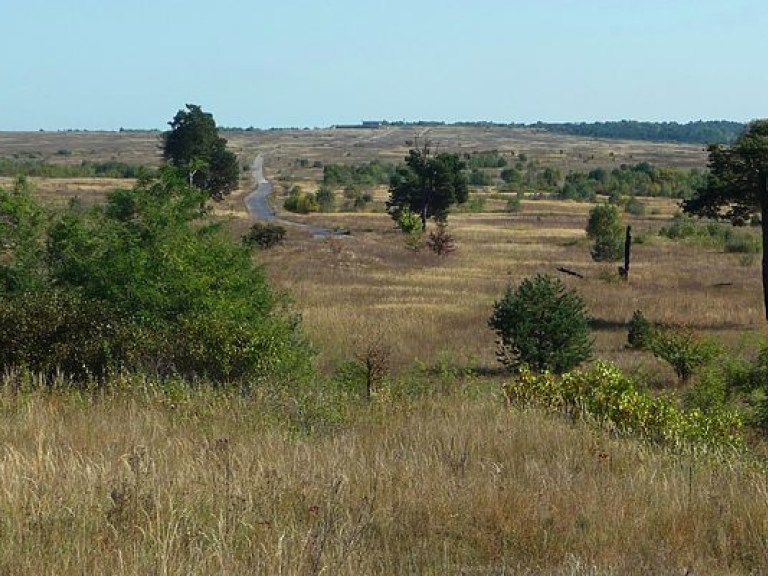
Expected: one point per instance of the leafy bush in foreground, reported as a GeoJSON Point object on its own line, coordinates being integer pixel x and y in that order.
{"type": "Point", "coordinates": [611, 400]}
{"type": "Point", "coordinates": [144, 283]}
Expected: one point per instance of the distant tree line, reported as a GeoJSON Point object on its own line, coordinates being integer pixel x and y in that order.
{"type": "Point", "coordinates": [370, 174]}
{"type": "Point", "coordinates": [86, 169]}
{"type": "Point", "coordinates": [699, 132]}
{"type": "Point", "coordinates": [642, 179]}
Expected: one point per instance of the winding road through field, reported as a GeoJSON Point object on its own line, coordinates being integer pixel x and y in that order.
{"type": "Point", "coordinates": [257, 203]}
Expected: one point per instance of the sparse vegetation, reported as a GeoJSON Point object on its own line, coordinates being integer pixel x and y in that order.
{"type": "Point", "coordinates": [293, 472]}
{"type": "Point", "coordinates": [541, 325]}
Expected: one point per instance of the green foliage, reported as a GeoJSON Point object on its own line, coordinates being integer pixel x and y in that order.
{"type": "Point", "coordinates": [478, 177]}
{"type": "Point", "coordinates": [22, 245]}
{"type": "Point", "coordinates": [142, 283]}
{"type": "Point", "coordinates": [475, 204]}
{"type": "Point", "coordinates": [301, 202]}
{"type": "Point", "coordinates": [634, 206]}
{"type": "Point", "coordinates": [609, 399]}
{"type": "Point", "coordinates": [605, 229]}
{"type": "Point", "coordinates": [408, 222]}
{"type": "Point", "coordinates": [365, 175]}
{"type": "Point", "coordinates": [642, 179]}
{"type": "Point", "coordinates": [50, 331]}
{"type": "Point", "coordinates": [356, 198]}
{"type": "Point", "coordinates": [712, 235]}
{"type": "Point", "coordinates": [427, 184]}
{"type": "Point", "coordinates": [684, 350]}
{"type": "Point", "coordinates": [264, 235]}
{"type": "Point", "coordinates": [86, 169]}
{"type": "Point", "coordinates": [486, 159]}
{"type": "Point", "coordinates": [193, 144]}
{"type": "Point", "coordinates": [698, 132]}
{"type": "Point", "coordinates": [513, 205]}
{"type": "Point", "coordinates": [511, 176]}
{"type": "Point", "coordinates": [640, 331]}
{"type": "Point", "coordinates": [543, 325]}
{"type": "Point", "coordinates": [326, 199]}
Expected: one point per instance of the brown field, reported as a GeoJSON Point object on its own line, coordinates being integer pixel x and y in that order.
{"type": "Point", "coordinates": [453, 482]}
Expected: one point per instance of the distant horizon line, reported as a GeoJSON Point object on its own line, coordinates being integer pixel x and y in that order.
{"type": "Point", "coordinates": [372, 124]}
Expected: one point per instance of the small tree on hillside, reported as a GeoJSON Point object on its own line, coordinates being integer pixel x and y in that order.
{"type": "Point", "coordinates": [542, 324]}
{"type": "Point", "coordinates": [194, 145]}
{"type": "Point", "coordinates": [605, 229]}
{"type": "Point", "coordinates": [427, 184]}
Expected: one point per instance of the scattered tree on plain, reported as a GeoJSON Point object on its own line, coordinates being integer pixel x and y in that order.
{"type": "Point", "coordinates": [737, 186]}
{"type": "Point", "coordinates": [193, 144]}
{"type": "Point", "coordinates": [543, 325]}
{"type": "Point", "coordinates": [427, 184]}
{"type": "Point", "coordinates": [606, 230]}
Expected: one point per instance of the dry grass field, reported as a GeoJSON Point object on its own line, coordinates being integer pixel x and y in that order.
{"type": "Point", "coordinates": [447, 481]}
{"type": "Point", "coordinates": [135, 483]}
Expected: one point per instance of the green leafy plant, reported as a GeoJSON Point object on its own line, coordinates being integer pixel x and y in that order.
{"type": "Point", "coordinates": [604, 228]}
{"type": "Point", "coordinates": [640, 331]}
{"type": "Point", "coordinates": [543, 325]}
{"type": "Point", "coordinates": [264, 235]}
{"type": "Point", "coordinates": [684, 350]}
{"type": "Point", "coordinates": [144, 283]}
{"type": "Point", "coordinates": [605, 397]}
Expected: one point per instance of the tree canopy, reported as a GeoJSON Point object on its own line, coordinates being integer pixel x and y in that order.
{"type": "Point", "coordinates": [427, 184]}
{"type": "Point", "coordinates": [193, 144]}
{"type": "Point", "coordinates": [144, 283]}
{"type": "Point", "coordinates": [737, 185]}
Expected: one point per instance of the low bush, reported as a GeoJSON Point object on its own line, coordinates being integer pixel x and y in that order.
{"type": "Point", "coordinates": [683, 349]}
{"type": "Point", "coordinates": [543, 325]}
{"type": "Point", "coordinates": [264, 235]}
{"type": "Point", "coordinates": [640, 331]}
{"type": "Point", "coordinates": [607, 398]}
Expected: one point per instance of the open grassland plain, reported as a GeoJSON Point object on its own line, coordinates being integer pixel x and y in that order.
{"type": "Point", "coordinates": [204, 482]}
{"type": "Point", "coordinates": [436, 474]}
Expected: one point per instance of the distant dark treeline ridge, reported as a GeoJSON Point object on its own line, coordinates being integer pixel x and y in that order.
{"type": "Point", "coordinates": [699, 132]}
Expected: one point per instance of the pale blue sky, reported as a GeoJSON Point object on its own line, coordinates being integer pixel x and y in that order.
{"type": "Point", "coordinates": [106, 64]}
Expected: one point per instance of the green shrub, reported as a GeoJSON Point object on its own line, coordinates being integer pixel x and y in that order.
{"type": "Point", "coordinates": [607, 398]}
{"type": "Point", "coordinates": [59, 331]}
{"type": "Point", "coordinates": [634, 206]}
{"type": "Point", "coordinates": [640, 331]}
{"type": "Point", "coordinates": [605, 229]}
{"type": "Point", "coordinates": [300, 202]}
{"type": "Point", "coordinates": [326, 199]}
{"type": "Point", "coordinates": [409, 222]}
{"type": "Point", "coordinates": [543, 325]}
{"type": "Point", "coordinates": [264, 235]}
{"type": "Point", "coordinates": [742, 242]}
{"type": "Point", "coordinates": [478, 177]}
{"type": "Point", "coordinates": [143, 283]}
{"type": "Point", "coordinates": [683, 350]}
{"type": "Point", "coordinates": [476, 203]}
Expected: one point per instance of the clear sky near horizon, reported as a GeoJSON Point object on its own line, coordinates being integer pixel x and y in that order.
{"type": "Point", "coordinates": [106, 64]}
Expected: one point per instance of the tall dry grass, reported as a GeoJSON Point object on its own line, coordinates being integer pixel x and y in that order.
{"type": "Point", "coordinates": [435, 307]}
{"type": "Point", "coordinates": [209, 483]}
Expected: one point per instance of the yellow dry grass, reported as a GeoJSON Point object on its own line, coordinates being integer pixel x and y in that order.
{"type": "Point", "coordinates": [215, 483]}
{"type": "Point", "coordinates": [453, 482]}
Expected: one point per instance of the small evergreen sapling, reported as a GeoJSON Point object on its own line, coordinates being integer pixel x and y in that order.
{"type": "Point", "coordinates": [543, 325]}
